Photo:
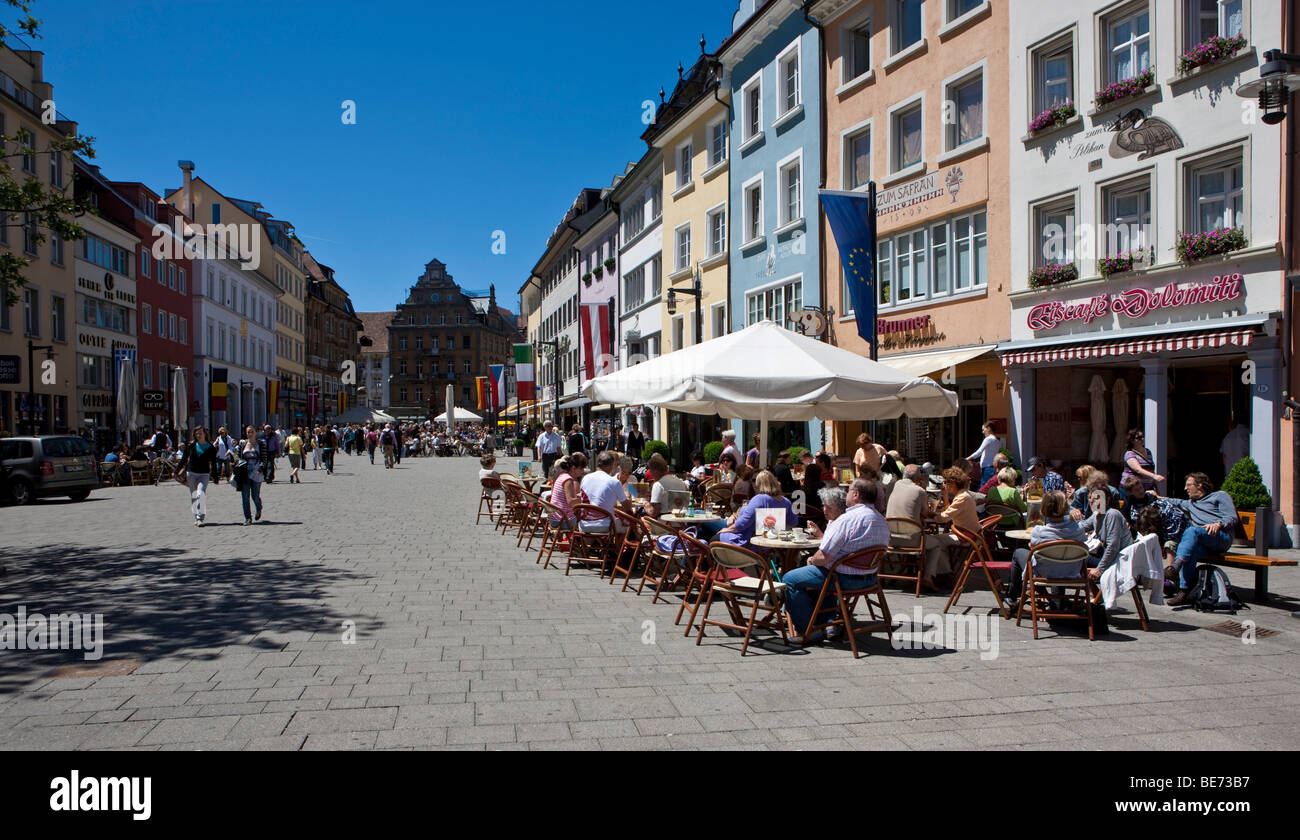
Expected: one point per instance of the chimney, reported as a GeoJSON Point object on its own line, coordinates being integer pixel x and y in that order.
{"type": "Point", "coordinates": [187, 203]}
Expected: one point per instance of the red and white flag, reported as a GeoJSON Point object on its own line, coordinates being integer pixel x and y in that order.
{"type": "Point", "coordinates": [597, 342]}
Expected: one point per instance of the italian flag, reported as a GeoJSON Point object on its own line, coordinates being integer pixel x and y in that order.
{"type": "Point", "coordinates": [524, 376]}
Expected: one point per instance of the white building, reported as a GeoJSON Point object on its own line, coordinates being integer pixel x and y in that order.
{"type": "Point", "coordinates": [1180, 350]}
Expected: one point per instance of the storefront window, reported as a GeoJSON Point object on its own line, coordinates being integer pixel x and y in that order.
{"type": "Point", "coordinates": [943, 259]}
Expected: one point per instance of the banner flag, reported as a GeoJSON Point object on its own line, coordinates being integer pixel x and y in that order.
{"type": "Point", "coordinates": [481, 392]}
{"type": "Point", "coordinates": [852, 217]}
{"type": "Point", "coordinates": [272, 396]}
{"type": "Point", "coordinates": [497, 374]}
{"type": "Point", "coordinates": [524, 384]}
{"type": "Point", "coordinates": [597, 345]}
{"type": "Point", "coordinates": [219, 388]}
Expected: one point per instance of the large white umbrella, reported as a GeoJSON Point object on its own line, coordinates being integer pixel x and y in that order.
{"type": "Point", "coordinates": [449, 416]}
{"type": "Point", "coordinates": [360, 414]}
{"type": "Point", "coordinates": [462, 416]}
{"type": "Point", "coordinates": [180, 400]}
{"type": "Point", "coordinates": [765, 372]}
{"type": "Point", "coordinates": [1119, 405]}
{"type": "Point", "coordinates": [126, 412]}
{"type": "Point", "coordinates": [1097, 453]}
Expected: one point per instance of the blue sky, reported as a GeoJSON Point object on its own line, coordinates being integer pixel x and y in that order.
{"type": "Point", "coordinates": [471, 117]}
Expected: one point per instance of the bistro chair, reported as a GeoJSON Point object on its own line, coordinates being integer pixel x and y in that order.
{"type": "Point", "coordinates": [490, 502]}
{"type": "Point", "coordinates": [595, 545]}
{"type": "Point", "coordinates": [163, 470]}
{"type": "Point", "coordinates": [978, 556]}
{"type": "Point", "coordinates": [513, 507]}
{"type": "Point", "coordinates": [1057, 573]}
{"type": "Point", "coordinates": [847, 599]}
{"type": "Point", "coordinates": [630, 550]}
{"type": "Point", "coordinates": [701, 566]}
{"type": "Point", "coordinates": [662, 567]}
{"type": "Point", "coordinates": [719, 494]}
{"type": "Point", "coordinates": [906, 551]}
{"type": "Point", "coordinates": [108, 473]}
{"type": "Point", "coordinates": [755, 593]}
{"type": "Point", "coordinates": [141, 473]}
{"type": "Point", "coordinates": [555, 533]}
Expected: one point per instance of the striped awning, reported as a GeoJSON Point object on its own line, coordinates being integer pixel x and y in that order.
{"type": "Point", "coordinates": [1151, 344]}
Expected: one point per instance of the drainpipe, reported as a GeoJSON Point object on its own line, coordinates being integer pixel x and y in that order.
{"type": "Point", "coordinates": [821, 183]}
{"type": "Point", "coordinates": [1292, 284]}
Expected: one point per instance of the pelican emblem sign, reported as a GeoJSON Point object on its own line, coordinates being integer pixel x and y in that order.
{"type": "Point", "coordinates": [1135, 132]}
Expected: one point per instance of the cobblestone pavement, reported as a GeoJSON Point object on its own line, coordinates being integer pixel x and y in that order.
{"type": "Point", "coordinates": [462, 642]}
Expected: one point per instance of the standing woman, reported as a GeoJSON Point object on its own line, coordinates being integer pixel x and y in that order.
{"type": "Point", "coordinates": [984, 455]}
{"type": "Point", "coordinates": [313, 440]}
{"type": "Point", "coordinates": [293, 444]}
{"type": "Point", "coordinates": [250, 453]}
{"type": "Point", "coordinates": [1139, 463]}
{"type": "Point", "coordinates": [198, 461]}
{"type": "Point", "coordinates": [869, 454]}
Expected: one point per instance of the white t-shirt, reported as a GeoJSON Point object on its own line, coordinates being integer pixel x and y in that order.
{"type": "Point", "coordinates": [669, 491]}
{"type": "Point", "coordinates": [602, 489]}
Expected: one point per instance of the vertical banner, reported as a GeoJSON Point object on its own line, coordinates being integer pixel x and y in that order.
{"type": "Point", "coordinates": [497, 378]}
{"type": "Point", "coordinates": [313, 400]}
{"type": "Point", "coordinates": [597, 344]}
{"type": "Point", "coordinates": [272, 397]}
{"type": "Point", "coordinates": [481, 392]}
{"type": "Point", "coordinates": [852, 217]}
{"type": "Point", "coordinates": [218, 388]}
{"type": "Point", "coordinates": [524, 379]}
{"type": "Point", "coordinates": [343, 401]}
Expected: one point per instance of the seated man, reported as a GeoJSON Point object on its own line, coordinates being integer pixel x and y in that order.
{"type": "Point", "coordinates": [1173, 521]}
{"type": "Point", "coordinates": [1051, 480]}
{"type": "Point", "coordinates": [853, 524]}
{"type": "Point", "coordinates": [604, 490]}
{"type": "Point", "coordinates": [667, 491]}
{"type": "Point", "coordinates": [1213, 516]}
{"type": "Point", "coordinates": [1056, 509]}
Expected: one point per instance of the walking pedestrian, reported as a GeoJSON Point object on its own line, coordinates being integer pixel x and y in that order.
{"type": "Point", "coordinates": [547, 447]}
{"type": "Point", "coordinates": [250, 474]}
{"type": "Point", "coordinates": [329, 441]}
{"type": "Point", "coordinates": [271, 442]}
{"type": "Point", "coordinates": [198, 463]}
{"type": "Point", "coordinates": [372, 440]}
{"type": "Point", "coordinates": [389, 442]}
{"type": "Point", "coordinates": [313, 441]}
{"type": "Point", "coordinates": [294, 446]}
{"type": "Point", "coordinates": [397, 433]}
{"type": "Point", "coordinates": [225, 455]}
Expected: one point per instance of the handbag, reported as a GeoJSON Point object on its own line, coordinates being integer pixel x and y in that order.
{"type": "Point", "coordinates": [671, 544]}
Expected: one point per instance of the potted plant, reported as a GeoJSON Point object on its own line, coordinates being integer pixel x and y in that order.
{"type": "Point", "coordinates": [653, 446]}
{"type": "Point", "coordinates": [1192, 247]}
{"type": "Point", "coordinates": [1125, 261]}
{"type": "Point", "coordinates": [1057, 115]}
{"type": "Point", "coordinates": [1246, 487]}
{"type": "Point", "coordinates": [1210, 51]}
{"type": "Point", "coordinates": [519, 444]}
{"type": "Point", "coordinates": [586, 278]}
{"type": "Point", "coordinates": [712, 451]}
{"type": "Point", "coordinates": [1052, 273]}
{"type": "Point", "coordinates": [609, 264]}
{"type": "Point", "coordinates": [598, 271]}
{"type": "Point", "coordinates": [1124, 88]}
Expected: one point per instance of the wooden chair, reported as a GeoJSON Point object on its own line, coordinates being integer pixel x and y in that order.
{"type": "Point", "coordinates": [755, 593]}
{"type": "Point", "coordinates": [867, 558]}
{"type": "Point", "coordinates": [661, 567]}
{"type": "Point", "coordinates": [554, 530]}
{"type": "Point", "coordinates": [513, 507]}
{"type": "Point", "coordinates": [1057, 571]}
{"type": "Point", "coordinates": [906, 550]}
{"type": "Point", "coordinates": [141, 473]}
{"type": "Point", "coordinates": [978, 556]}
{"type": "Point", "coordinates": [108, 473]}
{"type": "Point", "coordinates": [719, 494]}
{"type": "Point", "coordinates": [699, 560]}
{"type": "Point", "coordinates": [491, 500]}
{"type": "Point", "coordinates": [591, 547]}
{"type": "Point", "coordinates": [631, 550]}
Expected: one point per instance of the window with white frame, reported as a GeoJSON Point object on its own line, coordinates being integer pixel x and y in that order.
{"type": "Point", "coordinates": [791, 191]}
{"type": "Point", "coordinates": [31, 313]}
{"type": "Point", "coordinates": [1127, 220]}
{"type": "Point", "coordinates": [684, 154]}
{"type": "Point", "coordinates": [932, 262]}
{"type": "Point", "coordinates": [1128, 44]}
{"type": "Point", "coordinates": [162, 323]}
{"type": "Point", "coordinates": [775, 302]}
{"type": "Point", "coordinates": [857, 51]}
{"type": "Point", "coordinates": [788, 78]}
{"type": "Point", "coordinates": [906, 142]}
{"type": "Point", "coordinates": [717, 225]}
{"type": "Point", "coordinates": [1053, 75]}
{"type": "Point", "coordinates": [906, 24]}
{"type": "Point", "coordinates": [966, 120]}
{"type": "Point", "coordinates": [146, 317]}
{"type": "Point", "coordinates": [857, 159]}
{"type": "Point", "coordinates": [1208, 19]}
{"type": "Point", "coordinates": [1054, 228]}
{"type": "Point", "coordinates": [634, 288]}
{"type": "Point", "coordinates": [1216, 194]}
{"type": "Point", "coordinates": [682, 248]}
{"type": "Point", "coordinates": [171, 327]}
{"type": "Point", "coordinates": [957, 8]}
{"type": "Point", "coordinates": [717, 142]}
{"type": "Point", "coordinates": [679, 332]}
{"type": "Point", "coordinates": [718, 315]}
{"type": "Point", "coordinates": [752, 115]}
{"type": "Point", "coordinates": [753, 195]}
{"type": "Point", "coordinates": [58, 318]}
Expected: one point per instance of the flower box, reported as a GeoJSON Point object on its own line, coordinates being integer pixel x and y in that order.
{"type": "Point", "coordinates": [1192, 247]}
{"type": "Point", "coordinates": [1116, 91]}
{"type": "Point", "coordinates": [1210, 51]}
{"type": "Point", "coordinates": [598, 271]}
{"type": "Point", "coordinates": [1125, 261]}
{"type": "Point", "coordinates": [586, 278]}
{"type": "Point", "coordinates": [609, 264]}
{"type": "Point", "coordinates": [1053, 274]}
{"type": "Point", "coordinates": [1057, 115]}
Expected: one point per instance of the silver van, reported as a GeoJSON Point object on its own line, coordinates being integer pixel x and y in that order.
{"type": "Point", "coordinates": [54, 465]}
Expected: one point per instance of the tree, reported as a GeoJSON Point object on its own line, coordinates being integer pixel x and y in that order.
{"type": "Point", "coordinates": [26, 203]}
{"type": "Point", "coordinates": [1246, 486]}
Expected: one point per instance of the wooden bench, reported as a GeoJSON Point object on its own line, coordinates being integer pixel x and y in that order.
{"type": "Point", "coordinates": [1256, 563]}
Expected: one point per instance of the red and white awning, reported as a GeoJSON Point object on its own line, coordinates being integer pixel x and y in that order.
{"type": "Point", "coordinates": [1154, 344]}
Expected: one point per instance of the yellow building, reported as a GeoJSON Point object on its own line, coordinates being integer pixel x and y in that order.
{"type": "Point", "coordinates": [690, 129]}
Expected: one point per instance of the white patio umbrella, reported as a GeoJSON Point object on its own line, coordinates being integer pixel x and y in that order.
{"type": "Point", "coordinates": [1097, 410]}
{"type": "Point", "coordinates": [449, 416]}
{"type": "Point", "coordinates": [765, 372]}
{"type": "Point", "coordinates": [1119, 406]}
{"type": "Point", "coordinates": [180, 400]}
{"type": "Point", "coordinates": [126, 412]}
{"type": "Point", "coordinates": [462, 416]}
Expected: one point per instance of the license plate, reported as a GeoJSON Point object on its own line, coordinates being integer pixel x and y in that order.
{"type": "Point", "coordinates": [73, 468]}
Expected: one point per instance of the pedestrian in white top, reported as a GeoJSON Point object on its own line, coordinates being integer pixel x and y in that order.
{"type": "Point", "coordinates": [987, 451]}
{"type": "Point", "coordinates": [548, 447]}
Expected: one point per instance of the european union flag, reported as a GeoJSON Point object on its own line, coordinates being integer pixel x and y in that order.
{"type": "Point", "coordinates": [852, 216]}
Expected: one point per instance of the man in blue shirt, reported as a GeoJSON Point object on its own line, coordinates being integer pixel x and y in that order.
{"type": "Point", "coordinates": [1051, 480]}
{"type": "Point", "coordinates": [1212, 516]}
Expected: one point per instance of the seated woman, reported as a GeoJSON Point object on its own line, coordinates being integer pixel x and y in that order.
{"type": "Point", "coordinates": [488, 467]}
{"type": "Point", "coordinates": [1106, 524]}
{"type": "Point", "coordinates": [566, 492]}
{"type": "Point", "coordinates": [812, 483]}
{"type": "Point", "coordinates": [744, 523]}
{"type": "Point", "coordinates": [1085, 475]}
{"type": "Point", "coordinates": [961, 512]}
{"type": "Point", "coordinates": [1056, 509]}
{"type": "Point", "coordinates": [726, 472]}
{"type": "Point", "coordinates": [698, 470]}
{"type": "Point", "coordinates": [1005, 493]}
{"type": "Point", "coordinates": [743, 486]}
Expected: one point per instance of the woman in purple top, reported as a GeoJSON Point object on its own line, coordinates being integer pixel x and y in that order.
{"type": "Point", "coordinates": [744, 523]}
{"type": "Point", "coordinates": [1139, 463]}
{"type": "Point", "coordinates": [751, 457]}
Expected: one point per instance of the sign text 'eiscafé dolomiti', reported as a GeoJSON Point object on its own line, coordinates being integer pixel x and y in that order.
{"type": "Point", "coordinates": [1134, 303]}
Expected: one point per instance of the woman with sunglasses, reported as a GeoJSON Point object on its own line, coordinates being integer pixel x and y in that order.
{"type": "Point", "coordinates": [1139, 463]}
{"type": "Point", "coordinates": [197, 464]}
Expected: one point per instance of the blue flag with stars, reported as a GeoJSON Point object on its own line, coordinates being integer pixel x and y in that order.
{"type": "Point", "coordinates": [852, 217]}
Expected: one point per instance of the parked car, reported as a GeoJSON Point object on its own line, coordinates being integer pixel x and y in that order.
{"type": "Point", "coordinates": [52, 465]}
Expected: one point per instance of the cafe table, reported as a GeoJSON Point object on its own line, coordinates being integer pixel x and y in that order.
{"type": "Point", "coordinates": [787, 550]}
{"type": "Point", "coordinates": [1020, 534]}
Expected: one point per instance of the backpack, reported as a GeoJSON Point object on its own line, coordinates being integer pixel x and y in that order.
{"type": "Point", "coordinates": [1213, 592]}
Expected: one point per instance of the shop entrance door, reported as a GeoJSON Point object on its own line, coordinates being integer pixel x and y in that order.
{"type": "Point", "coordinates": [1215, 397]}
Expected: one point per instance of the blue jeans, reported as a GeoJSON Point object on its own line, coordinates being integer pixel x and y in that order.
{"type": "Point", "coordinates": [802, 587]}
{"type": "Point", "coordinates": [253, 489]}
{"type": "Point", "coordinates": [985, 474]}
{"type": "Point", "coordinates": [1194, 545]}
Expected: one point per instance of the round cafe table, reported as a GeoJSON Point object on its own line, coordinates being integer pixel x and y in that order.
{"type": "Point", "coordinates": [707, 524]}
{"type": "Point", "coordinates": [787, 550]}
{"type": "Point", "coordinates": [1019, 534]}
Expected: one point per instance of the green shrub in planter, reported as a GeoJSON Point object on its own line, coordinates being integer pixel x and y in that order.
{"type": "Point", "coordinates": [653, 446]}
{"type": "Point", "coordinates": [1246, 486]}
{"type": "Point", "coordinates": [712, 451]}
{"type": "Point", "coordinates": [796, 452]}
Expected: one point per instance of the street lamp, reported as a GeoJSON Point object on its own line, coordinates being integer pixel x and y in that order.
{"type": "Point", "coordinates": [31, 383]}
{"type": "Point", "coordinates": [558, 345]}
{"type": "Point", "coordinates": [695, 291]}
{"type": "Point", "coordinates": [1277, 81]}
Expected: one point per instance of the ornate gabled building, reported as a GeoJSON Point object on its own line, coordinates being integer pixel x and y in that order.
{"type": "Point", "coordinates": [333, 337]}
{"type": "Point", "coordinates": [444, 335]}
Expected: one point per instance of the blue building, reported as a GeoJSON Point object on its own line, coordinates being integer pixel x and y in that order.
{"type": "Point", "coordinates": [772, 62]}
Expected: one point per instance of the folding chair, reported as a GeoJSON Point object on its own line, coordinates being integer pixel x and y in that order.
{"type": "Point", "coordinates": [555, 533]}
{"type": "Point", "coordinates": [141, 473]}
{"type": "Point", "coordinates": [490, 502]}
{"type": "Point", "coordinates": [108, 473]}
{"type": "Point", "coordinates": [661, 566]}
{"type": "Point", "coordinates": [979, 557]}
{"type": "Point", "coordinates": [697, 580]}
{"type": "Point", "coordinates": [867, 558]}
{"type": "Point", "coordinates": [630, 548]}
{"type": "Point", "coordinates": [1057, 571]}
{"type": "Point", "coordinates": [755, 591]}
{"type": "Point", "coordinates": [906, 550]}
{"type": "Point", "coordinates": [719, 494]}
{"type": "Point", "coordinates": [591, 547]}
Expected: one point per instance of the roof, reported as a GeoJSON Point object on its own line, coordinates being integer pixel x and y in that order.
{"type": "Point", "coordinates": [375, 325]}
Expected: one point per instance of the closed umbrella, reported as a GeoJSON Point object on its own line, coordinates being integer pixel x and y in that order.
{"type": "Point", "coordinates": [1097, 452]}
{"type": "Point", "coordinates": [126, 412]}
{"type": "Point", "coordinates": [180, 401]}
{"type": "Point", "coordinates": [1119, 406]}
{"type": "Point", "coordinates": [450, 416]}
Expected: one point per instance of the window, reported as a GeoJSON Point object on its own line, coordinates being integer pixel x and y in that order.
{"type": "Point", "coordinates": [791, 192]}
{"type": "Point", "coordinates": [788, 78]}
{"type": "Point", "coordinates": [171, 275]}
{"type": "Point", "coordinates": [911, 268]}
{"type": "Point", "coordinates": [180, 280]}
{"type": "Point", "coordinates": [1054, 224]}
{"type": "Point", "coordinates": [1127, 220]}
{"type": "Point", "coordinates": [56, 248]}
{"type": "Point", "coordinates": [146, 265]}
{"type": "Point", "coordinates": [27, 141]}
{"type": "Point", "coordinates": [56, 168]}
{"type": "Point", "coordinates": [682, 249]}
{"type": "Point", "coordinates": [171, 327]}
{"type": "Point", "coordinates": [957, 8]}
{"type": "Point", "coordinates": [1217, 195]}
{"type": "Point", "coordinates": [210, 347]}
{"type": "Point", "coordinates": [719, 317]}
{"type": "Point", "coordinates": [966, 122]}
{"type": "Point", "coordinates": [753, 108]}
{"type": "Point", "coordinates": [216, 213]}
{"type": "Point", "coordinates": [31, 313]}
{"type": "Point", "coordinates": [185, 331]}
{"type": "Point", "coordinates": [684, 165]}
{"type": "Point", "coordinates": [1207, 19]}
{"type": "Point", "coordinates": [857, 159]}
{"type": "Point", "coordinates": [104, 255]}
{"type": "Point", "coordinates": [460, 317]}
{"type": "Point", "coordinates": [4, 318]}
{"type": "Point", "coordinates": [753, 193]}
{"type": "Point", "coordinates": [932, 262]}
{"type": "Point", "coordinates": [401, 394]}
{"type": "Point", "coordinates": [1054, 71]}
{"type": "Point", "coordinates": [906, 141]}
{"type": "Point", "coordinates": [467, 366]}
{"type": "Point", "coordinates": [419, 342]}
{"type": "Point", "coordinates": [906, 24]}
{"type": "Point", "coordinates": [1128, 43]}
{"type": "Point", "coordinates": [717, 142]}
{"type": "Point", "coordinates": [29, 233]}
{"type": "Point", "coordinates": [773, 304]}
{"type": "Point", "coordinates": [401, 343]}
{"type": "Point", "coordinates": [656, 201]}
{"type": "Point", "coordinates": [162, 323]}
{"type": "Point", "coordinates": [146, 317]}
{"type": "Point", "coordinates": [401, 367]}
{"type": "Point", "coordinates": [717, 224]}
{"type": "Point", "coordinates": [679, 332]}
{"type": "Point", "coordinates": [633, 219]}
{"type": "Point", "coordinates": [147, 370]}
{"type": "Point", "coordinates": [857, 51]}
{"type": "Point", "coordinates": [58, 319]}
{"type": "Point", "coordinates": [465, 343]}
{"type": "Point", "coordinates": [100, 313]}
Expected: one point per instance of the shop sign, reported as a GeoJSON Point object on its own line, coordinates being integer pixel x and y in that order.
{"type": "Point", "coordinates": [97, 400]}
{"type": "Point", "coordinates": [920, 190]}
{"type": "Point", "coordinates": [153, 402]}
{"type": "Point", "coordinates": [1135, 303]}
{"type": "Point", "coordinates": [11, 372]}
{"type": "Point", "coordinates": [884, 327]}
